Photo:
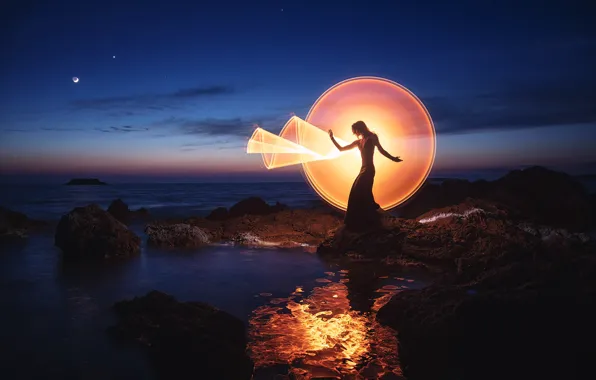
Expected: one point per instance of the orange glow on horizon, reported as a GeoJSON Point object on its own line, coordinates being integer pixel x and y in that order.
{"type": "Point", "coordinates": [395, 114]}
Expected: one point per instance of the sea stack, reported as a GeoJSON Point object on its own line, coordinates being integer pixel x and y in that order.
{"type": "Point", "coordinates": [85, 182]}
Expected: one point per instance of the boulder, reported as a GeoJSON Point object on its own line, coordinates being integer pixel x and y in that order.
{"type": "Point", "coordinates": [247, 238]}
{"type": "Point", "coordinates": [254, 206]}
{"type": "Point", "coordinates": [535, 194]}
{"type": "Point", "coordinates": [288, 228]}
{"type": "Point", "coordinates": [120, 210]}
{"type": "Point", "coordinates": [185, 340]}
{"type": "Point", "coordinates": [464, 239]}
{"type": "Point", "coordinates": [176, 236]}
{"type": "Point", "coordinates": [546, 197]}
{"type": "Point", "coordinates": [92, 232]}
{"type": "Point", "coordinates": [509, 322]}
{"type": "Point", "coordinates": [220, 213]}
{"type": "Point", "coordinates": [14, 224]}
{"type": "Point", "coordinates": [142, 212]}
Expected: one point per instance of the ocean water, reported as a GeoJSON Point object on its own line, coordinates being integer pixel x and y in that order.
{"type": "Point", "coordinates": [49, 202]}
{"type": "Point", "coordinates": [55, 315]}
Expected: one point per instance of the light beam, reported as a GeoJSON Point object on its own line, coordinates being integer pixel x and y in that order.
{"type": "Point", "coordinates": [394, 113]}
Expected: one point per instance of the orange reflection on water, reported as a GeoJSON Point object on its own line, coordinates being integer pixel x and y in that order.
{"type": "Point", "coordinates": [321, 331]}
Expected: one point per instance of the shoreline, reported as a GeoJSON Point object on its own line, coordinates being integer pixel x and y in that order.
{"type": "Point", "coordinates": [501, 252]}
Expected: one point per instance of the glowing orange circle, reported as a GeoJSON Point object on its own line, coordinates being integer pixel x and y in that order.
{"type": "Point", "coordinates": [404, 127]}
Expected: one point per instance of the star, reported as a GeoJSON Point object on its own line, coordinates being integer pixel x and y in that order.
{"type": "Point", "coordinates": [113, 56]}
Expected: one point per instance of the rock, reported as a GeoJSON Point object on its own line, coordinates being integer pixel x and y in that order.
{"type": "Point", "coordinates": [508, 322]}
{"type": "Point", "coordinates": [504, 284]}
{"type": "Point", "coordinates": [466, 238]}
{"type": "Point", "coordinates": [286, 228]}
{"type": "Point", "coordinates": [12, 224]}
{"type": "Point", "coordinates": [120, 210]}
{"type": "Point", "coordinates": [176, 236]}
{"type": "Point", "coordinates": [15, 225]}
{"type": "Point", "coordinates": [142, 213]}
{"type": "Point", "coordinates": [546, 197]}
{"type": "Point", "coordinates": [246, 238]}
{"type": "Point", "coordinates": [85, 181]}
{"type": "Point", "coordinates": [430, 196]}
{"type": "Point", "coordinates": [220, 213]}
{"type": "Point", "coordinates": [92, 232]}
{"type": "Point", "coordinates": [536, 194]}
{"type": "Point", "coordinates": [254, 206]}
{"type": "Point", "coordinates": [185, 340]}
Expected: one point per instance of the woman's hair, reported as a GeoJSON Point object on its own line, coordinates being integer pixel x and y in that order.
{"type": "Point", "coordinates": [359, 128]}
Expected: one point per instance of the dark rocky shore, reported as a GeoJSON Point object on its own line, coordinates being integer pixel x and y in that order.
{"type": "Point", "coordinates": [513, 262]}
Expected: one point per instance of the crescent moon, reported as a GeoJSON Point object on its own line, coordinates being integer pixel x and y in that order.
{"type": "Point", "coordinates": [75, 79]}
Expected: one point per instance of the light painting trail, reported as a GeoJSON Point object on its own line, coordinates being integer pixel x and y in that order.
{"type": "Point", "coordinates": [394, 113]}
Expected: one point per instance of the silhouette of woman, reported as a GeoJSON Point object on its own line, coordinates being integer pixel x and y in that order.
{"type": "Point", "coordinates": [362, 208]}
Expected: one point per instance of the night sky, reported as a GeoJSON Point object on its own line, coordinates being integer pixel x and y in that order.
{"type": "Point", "coordinates": [173, 88]}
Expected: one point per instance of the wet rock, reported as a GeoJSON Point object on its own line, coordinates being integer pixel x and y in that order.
{"type": "Point", "coordinates": [286, 228]}
{"type": "Point", "coordinates": [92, 232]}
{"type": "Point", "coordinates": [289, 228]}
{"type": "Point", "coordinates": [176, 236]}
{"type": "Point", "coordinates": [464, 239]}
{"type": "Point", "coordinates": [507, 322]}
{"type": "Point", "coordinates": [12, 224]}
{"type": "Point", "coordinates": [554, 236]}
{"type": "Point", "coordinates": [220, 213]}
{"type": "Point", "coordinates": [254, 206]}
{"type": "Point", "coordinates": [247, 238]}
{"type": "Point", "coordinates": [15, 225]}
{"type": "Point", "coordinates": [535, 194]}
{"type": "Point", "coordinates": [504, 284]}
{"type": "Point", "coordinates": [120, 210]}
{"type": "Point", "coordinates": [273, 372]}
{"type": "Point", "coordinates": [185, 340]}
{"type": "Point", "coordinates": [142, 212]}
{"type": "Point", "coordinates": [545, 196]}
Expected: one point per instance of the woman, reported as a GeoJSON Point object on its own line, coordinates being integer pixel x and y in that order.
{"type": "Point", "coordinates": [362, 208]}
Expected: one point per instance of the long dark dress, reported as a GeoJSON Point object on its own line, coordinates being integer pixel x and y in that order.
{"type": "Point", "coordinates": [362, 208]}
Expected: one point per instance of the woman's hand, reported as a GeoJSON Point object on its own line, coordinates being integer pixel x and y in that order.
{"type": "Point", "coordinates": [330, 133]}
{"type": "Point", "coordinates": [397, 159]}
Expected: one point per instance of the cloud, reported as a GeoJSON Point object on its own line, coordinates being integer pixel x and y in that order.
{"type": "Point", "coordinates": [520, 104]}
{"type": "Point", "coordinates": [228, 127]}
{"type": "Point", "coordinates": [202, 91]}
{"type": "Point", "coordinates": [155, 102]}
{"type": "Point", "coordinates": [558, 88]}
{"type": "Point", "coordinates": [123, 129]}
{"type": "Point", "coordinates": [60, 129]}
{"type": "Point", "coordinates": [50, 129]}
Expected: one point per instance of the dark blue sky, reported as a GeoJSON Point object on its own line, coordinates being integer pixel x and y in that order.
{"type": "Point", "coordinates": [506, 84]}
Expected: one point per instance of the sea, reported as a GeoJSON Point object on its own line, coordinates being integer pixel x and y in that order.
{"type": "Point", "coordinates": [51, 201]}
{"type": "Point", "coordinates": [55, 314]}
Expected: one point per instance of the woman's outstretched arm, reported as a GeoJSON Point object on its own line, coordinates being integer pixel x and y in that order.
{"type": "Point", "coordinates": [342, 148]}
{"type": "Point", "coordinates": [384, 152]}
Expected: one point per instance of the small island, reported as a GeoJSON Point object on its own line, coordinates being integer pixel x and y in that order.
{"type": "Point", "coordinates": [85, 182]}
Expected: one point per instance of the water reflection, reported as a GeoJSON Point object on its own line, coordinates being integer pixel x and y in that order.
{"type": "Point", "coordinates": [320, 334]}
